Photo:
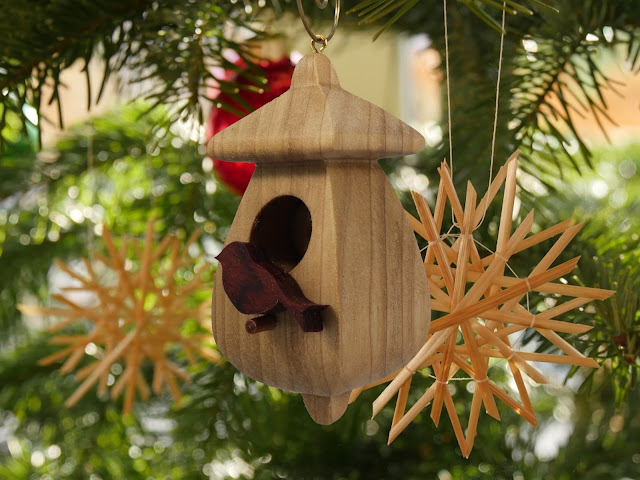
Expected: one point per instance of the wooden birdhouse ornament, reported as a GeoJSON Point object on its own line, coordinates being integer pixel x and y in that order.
{"type": "Point", "coordinates": [321, 288]}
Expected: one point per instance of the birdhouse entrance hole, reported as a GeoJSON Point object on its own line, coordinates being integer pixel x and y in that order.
{"type": "Point", "coordinates": [283, 230]}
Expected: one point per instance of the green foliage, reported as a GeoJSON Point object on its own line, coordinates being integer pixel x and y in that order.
{"type": "Point", "coordinates": [145, 165]}
{"type": "Point", "coordinates": [91, 440]}
{"type": "Point", "coordinates": [134, 177]}
{"type": "Point", "coordinates": [170, 46]}
{"type": "Point", "coordinates": [373, 10]}
{"type": "Point", "coordinates": [607, 201]}
{"type": "Point", "coordinates": [604, 442]}
{"type": "Point", "coordinates": [561, 78]}
{"type": "Point", "coordinates": [555, 70]}
{"type": "Point", "coordinates": [227, 427]}
{"type": "Point", "coordinates": [615, 340]}
{"type": "Point", "coordinates": [271, 431]}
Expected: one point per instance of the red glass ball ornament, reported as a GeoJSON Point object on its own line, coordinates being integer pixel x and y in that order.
{"type": "Point", "coordinates": [236, 175]}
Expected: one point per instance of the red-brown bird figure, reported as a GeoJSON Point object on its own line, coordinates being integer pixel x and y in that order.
{"type": "Point", "coordinates": [255, 285]}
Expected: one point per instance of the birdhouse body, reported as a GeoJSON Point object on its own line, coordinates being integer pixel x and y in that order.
{"type": "Point", "coordinates": [322, 209]}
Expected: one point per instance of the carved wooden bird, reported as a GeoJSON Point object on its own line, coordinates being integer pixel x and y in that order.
{"type": "Point", "coordinates": [255, 285]}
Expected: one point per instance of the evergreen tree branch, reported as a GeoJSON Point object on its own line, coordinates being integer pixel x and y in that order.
{"type": "Point", "coordinates": [171, 46]}
{"type": "Point", "coordinates": [557, 77]}
{"type": "Point", "coordinates": [126, 11]}
{"type": "Point", "coordinates": [371, 11]}
{"type": "Point", "coordinates": [553, 74]}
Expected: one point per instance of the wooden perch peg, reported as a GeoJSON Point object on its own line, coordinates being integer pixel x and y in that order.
{"type": "Point", "coordinates": [261, 324]}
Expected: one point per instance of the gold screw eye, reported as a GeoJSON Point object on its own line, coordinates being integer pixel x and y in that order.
{"type": "Point", "coordinates": [316, 39]}
{"type": "Point", "coordinates": [319, 39]}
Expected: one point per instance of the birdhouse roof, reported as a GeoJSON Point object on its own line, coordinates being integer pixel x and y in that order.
{"type": "Point", "coordinates": [315, 120]}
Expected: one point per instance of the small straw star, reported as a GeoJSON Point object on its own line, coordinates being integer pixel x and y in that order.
{"type": "Point", "coordinates": [482, 306]}
{"type": "Point", "coordinates": [135, 319]}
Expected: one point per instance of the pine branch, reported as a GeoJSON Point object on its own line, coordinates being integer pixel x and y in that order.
{"type": "Point", "coordinates": [171, 46]}
{"type": "Point", "coordinates": [615, 340]}
{"type": "Point", "coordinates": [371, 11]}
{"type": "Point", "coordinates": [127, 10]}
{"type": "Point", "coordinates": [545, 87]}
{"type": "Point", "coordinates": [557, 78]}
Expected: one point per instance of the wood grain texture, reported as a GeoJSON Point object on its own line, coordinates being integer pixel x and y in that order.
{"type": "Point", "coordinates": [326, 410]}
{"type": "Point", "coordinates": [315, 120]}
{"type": "Point", "coordinates": [319, 144]}
{"type": "Point", "coordinates": [261, 324]}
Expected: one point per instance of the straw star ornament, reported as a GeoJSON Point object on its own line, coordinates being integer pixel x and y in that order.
{"type": "Point", "coordinates": [482, 308]}
{"type": "Point", "coordinates": [135, 319]}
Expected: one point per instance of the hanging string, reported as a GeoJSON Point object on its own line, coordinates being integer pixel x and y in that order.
{"type": "Point", "coordinates": [495, 117]}
{"type": "Point", "coordinates": [92, 190]}
{"type": "Point", "coordinates": [493, 144]}
{"type": "Point", "coordinates": [446, 57]}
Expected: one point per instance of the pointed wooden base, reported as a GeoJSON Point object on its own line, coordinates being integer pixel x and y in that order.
{"type": "Point", "coordinates": [326, 410]}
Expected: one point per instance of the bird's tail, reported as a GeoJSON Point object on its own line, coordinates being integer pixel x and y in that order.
{"type": "Point", "coordinates": [308, 316]}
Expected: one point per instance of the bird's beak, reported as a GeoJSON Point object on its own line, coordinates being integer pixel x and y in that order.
{"type": "Point", "coordinates": [222, 256]}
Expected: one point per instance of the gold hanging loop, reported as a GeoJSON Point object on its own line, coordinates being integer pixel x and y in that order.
{"type": "Point", "coordinates": [316, 39]}
{"type": "Point", "coordinates": [322, 40]}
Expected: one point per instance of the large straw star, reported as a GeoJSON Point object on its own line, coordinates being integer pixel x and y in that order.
{"type": "Point", "coordinates": [135, 319]}
{"type": "Point", "coordinates": [482, 306]}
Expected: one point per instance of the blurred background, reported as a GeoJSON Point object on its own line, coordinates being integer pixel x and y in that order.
{"type": "Point", "coordinates": [105, 112]}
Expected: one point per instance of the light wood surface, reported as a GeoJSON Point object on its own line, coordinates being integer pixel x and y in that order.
{"type": "Point", "coordinates": [315, 120]}
{"type": "Point", "coordinates": [319, 144]}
